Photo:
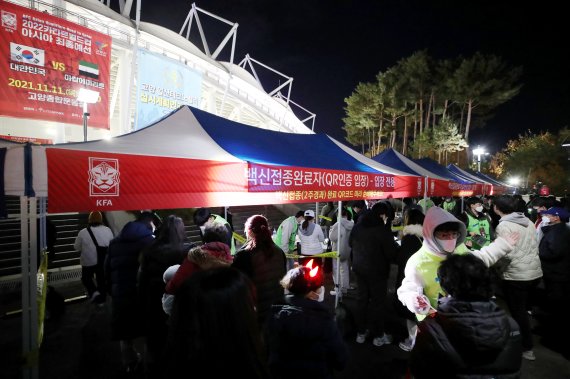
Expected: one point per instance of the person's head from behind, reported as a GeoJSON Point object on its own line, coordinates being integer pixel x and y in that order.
{"type": "Point", "coordinates": [95, 218]}
{"type": "Point", "coordinates": [344, 213]}
{"type": "Point", "coordinates": [309, 216]}
{"type": "Point", "coordinates": [214, 233]}
{"type": "Point", "coordinates": [306, 281]}
{"type": "Point", "coordinates": [382, 210]}
{"type": "Point", "coordinates": [505, 205]}
{"type": "Point", "coordinates": [172, 231]}
{"type": "Point", "coordinates": [465, 278]}
{"type": "Point", "coordinates": [358, 205]}
{"type": "Point", "coordinates": [257, 232]}
{"type": "Point", "coordinates": [214, 311]}
{"type": "Point", "coordinates": [201, 216]}
{"type": "Point", "coordinates": [413, 216]}
{"type": "Point", "coordinates": [148, 218]}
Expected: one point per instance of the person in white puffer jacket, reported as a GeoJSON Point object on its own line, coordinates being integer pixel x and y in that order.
{"type": "Point", "coordinates": [520, 269]}
{"type": "Point", "coordinates": [311, 236]}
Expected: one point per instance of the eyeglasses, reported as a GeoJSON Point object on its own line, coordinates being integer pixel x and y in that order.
{"type": "Point", "coordinates": [444, 235]}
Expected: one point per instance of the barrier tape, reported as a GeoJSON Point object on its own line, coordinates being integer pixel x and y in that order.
{"type": "Point", "coordinates": [325, 218]}
{"type": "Point", "coordinates": [329, 254]}
{"type": "Point", "coordinates": [241, 239]}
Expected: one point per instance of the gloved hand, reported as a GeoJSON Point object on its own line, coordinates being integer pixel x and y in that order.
{"type": "Point", "coordinates": [421, 305]}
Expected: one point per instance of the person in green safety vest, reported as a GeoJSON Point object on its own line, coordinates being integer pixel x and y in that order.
{"type": "Point", "coordinates": [203, 216]}
{"type": "Point", "coordinates": [443, 235]}
{"type": "Point", "coordinates": [449, 204]}
{"type": "Point", "coordinates": [479, 230]}
{"type": "Point", "coordinates": [426, 204]}
{"type": "Point", "coordinates": [286, 233]}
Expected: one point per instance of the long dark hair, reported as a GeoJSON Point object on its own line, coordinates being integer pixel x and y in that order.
{"type": "Point", "coordinates": [214, 330]}
{"type": "Point", "coordinates": [172, 231]}
{"type": "Point", "coordinates": [259, 235]}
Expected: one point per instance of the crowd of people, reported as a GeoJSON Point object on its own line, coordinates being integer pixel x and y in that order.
{"type": "Point", "coordinates": [470, 272]}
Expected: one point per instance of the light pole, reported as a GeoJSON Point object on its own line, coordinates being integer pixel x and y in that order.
{"type": "Point", "coordinates": [478, 152]}
{"type": "Point", "coordinates": [86, 96]}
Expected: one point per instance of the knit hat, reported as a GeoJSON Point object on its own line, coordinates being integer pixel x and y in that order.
{"type": "Point", "coordinates": [95, 218]}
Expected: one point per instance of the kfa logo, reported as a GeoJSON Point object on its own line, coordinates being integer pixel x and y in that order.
{"type": "Point", "coordinates": [419, 185]}
{"type": "Point", "coordinates": [432, 186]}
{"type": "Point", "coordinates": [103, 177]}
{"type": "Point", "coordinates": [9, 20]}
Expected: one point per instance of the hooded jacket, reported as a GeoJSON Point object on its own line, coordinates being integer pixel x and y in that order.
{"type": "Point", "coordinates": [420, 274]}
{"type": "Point", "coordinates": [342, 247]}
{"type": "Point", "coordinates": [210, 255]}
{"type": "Point", "coordinates": [523, 263]}
{"type": "Point", "coordinates": [467, 339]}
{"type": "Point", "coordinates": [311, 239]}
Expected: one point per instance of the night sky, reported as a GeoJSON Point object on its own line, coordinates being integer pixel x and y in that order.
{"type": "Point", "coordinates": [328, 47]}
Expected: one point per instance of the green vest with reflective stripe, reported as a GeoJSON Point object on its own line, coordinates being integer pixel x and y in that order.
{"type": "Point", "coordinates": [426, 267]}
{"type": "Point", "coordinates": [278, 238]}
{"type": "Point", "coordinates": [478, 226]}
{"type": "Point", "coordinates": [223, 221]}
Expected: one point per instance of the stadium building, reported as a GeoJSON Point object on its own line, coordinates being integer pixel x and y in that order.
{"type": "Point", "coordinates": [78, 70]}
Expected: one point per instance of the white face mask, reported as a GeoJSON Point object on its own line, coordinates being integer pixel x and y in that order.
{"type": "Point", "coordinates": [447, 245]}
{"type": "Point", "coordinates": [321, 294]}
{"type": "Point", "coordinates": [479, 208]}
{"type": "Point", "coordinates": [545, 220]}
{"type": "Point", "coordinates": [202, 229]}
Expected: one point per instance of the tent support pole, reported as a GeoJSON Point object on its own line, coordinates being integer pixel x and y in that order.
{"type": "Point", "coordinates": [338, 287]}
{"type": "Point", "coordinates": [30, 350]}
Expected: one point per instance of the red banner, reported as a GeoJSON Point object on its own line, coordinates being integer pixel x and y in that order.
{"type": "Point", "coordinates": [303, 184]}
{"type": "Point", "coordinates": [41, 141]}
{"type": "Point", "coordinates": [84, 180]}
{"type": "Point", "coordinates": [46, 60]}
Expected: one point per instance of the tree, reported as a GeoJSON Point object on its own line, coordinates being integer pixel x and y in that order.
{"type": "Point", "coordinates": [534, 158]}
{"type": "Point", "coordinates": [484, 81]}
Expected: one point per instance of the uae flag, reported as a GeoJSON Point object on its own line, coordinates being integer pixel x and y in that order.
{"type": "Point", "coordinates": [89, 69]}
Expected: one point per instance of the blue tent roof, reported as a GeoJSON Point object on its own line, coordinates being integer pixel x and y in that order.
{"type": "Point", "coordinates": [433, 166]}
{"type": "Point", "coordinates": [487, 178]}
{"type": "Point", "coordinates": [270, 147]}
{"type": "Point", "coordinates": [392, 158]}
{"type": "Point", "coordinates": [459, 172]}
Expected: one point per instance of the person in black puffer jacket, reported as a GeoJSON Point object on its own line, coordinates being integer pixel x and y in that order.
{"type": "Point", "coordinates": [469, 336]}
{"type": "Point", "coordinates": [302, 336]}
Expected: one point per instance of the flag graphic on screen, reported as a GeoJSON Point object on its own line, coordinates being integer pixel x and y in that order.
{"type": "Point", "coordinates": [27, 54]}
{"type": "Point", "coordinates": [89, 69]}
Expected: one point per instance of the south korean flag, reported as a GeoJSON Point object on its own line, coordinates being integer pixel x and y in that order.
{"type": "Point", "coordinates": [27, 54]}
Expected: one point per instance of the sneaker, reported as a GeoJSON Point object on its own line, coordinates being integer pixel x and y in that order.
{"type": "Point", "coordinates": [361, 337]}
{"type": "Point", "coordinates": [407, 344]}
{"type": "Point", "coordinates": [386, 339]}
{"type": "Point", "coordinates": [529, 355]}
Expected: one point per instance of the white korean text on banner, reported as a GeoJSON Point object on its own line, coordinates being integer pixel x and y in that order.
{"type": "Point", "coordinates": [45, 60]}
{"type": "Point", "coordinates": [164, 85]}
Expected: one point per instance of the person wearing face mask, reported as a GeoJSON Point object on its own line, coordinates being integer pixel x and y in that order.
{"type": "Point", "coordinates": [520, 270]}
{"type": "Point", "coordinates": [302, 336]}
{"type": "Point", "coordinates": [443, 235]}
{"type": "Point", "coordinates": [554, 252]}
{"type": "Point", "coordinates": [479, 230]}
{"type": "Point", "coordinates": [449, 204]}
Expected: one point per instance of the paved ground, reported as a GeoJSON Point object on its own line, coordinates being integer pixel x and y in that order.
{"type": "Point", "coordinates": [79, 346]}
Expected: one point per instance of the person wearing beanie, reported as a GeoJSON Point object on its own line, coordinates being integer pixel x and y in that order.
{"type": "Point", "coordinates": [302, 336]}
{"type": "Point", "coordinates": [91, 262]}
